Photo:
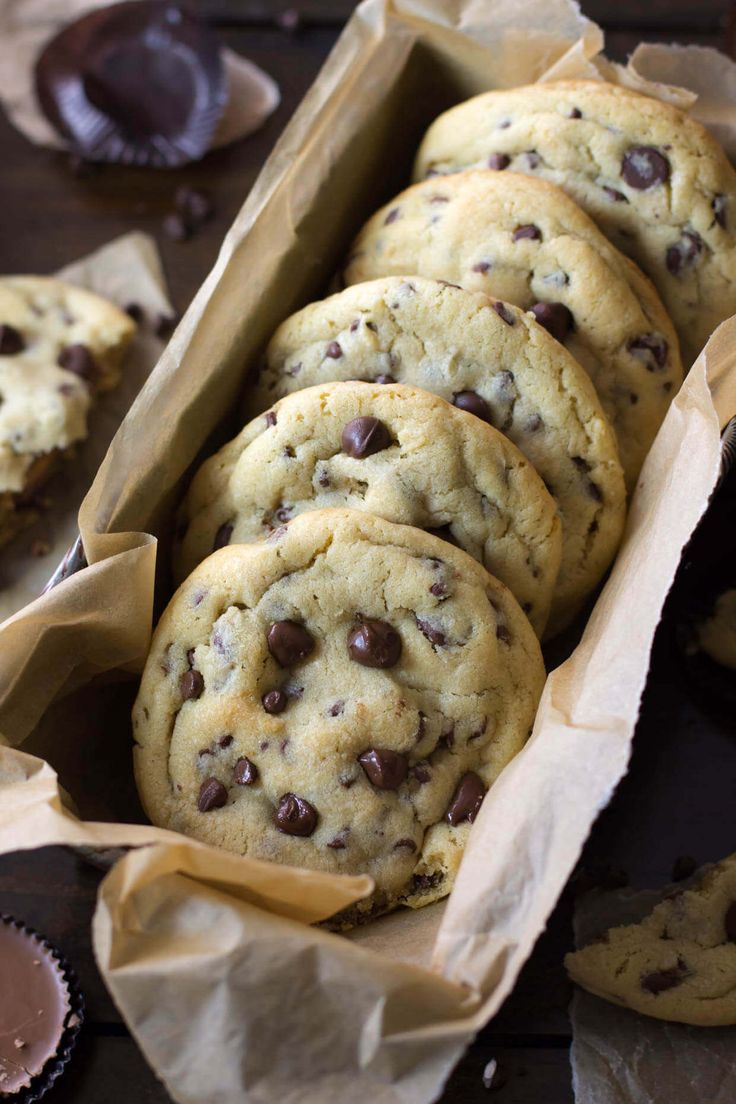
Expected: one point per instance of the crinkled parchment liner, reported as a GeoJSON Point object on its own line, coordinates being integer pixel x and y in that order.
{"type": "Point", "coordinates": [207, 954]}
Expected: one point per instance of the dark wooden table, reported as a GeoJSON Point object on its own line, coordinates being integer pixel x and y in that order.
{"type": "Point", "coordinates": [668, 804]}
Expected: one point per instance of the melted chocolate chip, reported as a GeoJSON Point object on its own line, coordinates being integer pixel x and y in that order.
{"type": "Point", "coordinates": [556, 319]}
{"type": "Point", "coordinates": [336, 709]}
{"type": "Point", "coordinates": [650, 348]}
{"type": "Point", "coordinates": [364, 436]}
{"type": "Point", "coordinates": [295, 816]}
{"type": "Point", "coordinates": [576, 113]}
{"type": "Point", "coordinates": [503, 312]}
{"type": "Point", "coordinates": [79, 360]}
{"type": "Point", "coordinates": [212, 795]}
{"type": "Point", "coordinates": [643, 167]}
{"type": "Point", "coordinates": [384, 768]}
{"type": "Point", "coordinates": [289, 642]}
{"type": "Point", "coordinates": [684, 253]}
{"type": "Point", "coordinates": [433, 635]}
{"type": "Point", "coordinates": [438, 589]}
{"type": "Point", "coordinates": [422, 773]}
{"type": "Point", "coordinates": [191, 685]}
{"type": "Point", "coordinates": [529, 231]}
{"type": "Point", "coordinates": [270, 417]}
{"type": "Point", "coordinates": [467, 799]}
{"type": "Point", "coordinates": [333, 350]}
{"type": "Point", "coordinates": [661, 980]}
{"type": "Point", "coordinates": [275, 701]}
{"type": "Point", "coordinates": [245, 773]}
{"type": "Point", "coordinates": [719, 204]}
{"type": "Point", "coordinates": [225, 741]}
{"type": "Point", "coordinates": [473, 403]}
{"type": "Point", "coordinates": [406, 843]}
{"type": "Point", "coordinates": [11, 340]}
{"type": "Point", "coordinates": [339, 842]}
{"type": "Point", "coordinates": [374, 644]}
{"type": "Point", "coordinates": [729, 921]}
{"type": "Point", "coordinates": [499, 161]}
{"type": "Point", "coordinates": [391, 216]}
{"type": "Point", "coordinates": [481, 266]}
{"type": "Point", "coordinates": [222, 536]}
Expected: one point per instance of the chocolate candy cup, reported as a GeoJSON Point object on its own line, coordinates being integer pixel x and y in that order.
{"type": "Point", "coordinates": [140, 83]}
{"type": "Point", "coordinates": [41, 1012]}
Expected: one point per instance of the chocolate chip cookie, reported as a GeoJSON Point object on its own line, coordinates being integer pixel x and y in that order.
{"type": "Point", "coordinates": [59, 345]}
{"type": "Point", "coordinates": [339, 696]}
{"type": "Point", "coordinates": [489, 359]}
{"type": "Point", "coordinates": [679, 963]}
{"type": "Point", "coordinates": [525, 241]}
{"type": "Point", "coordinates": [395, 451]}
{"type": "Point", "coordinates": [653, 178]}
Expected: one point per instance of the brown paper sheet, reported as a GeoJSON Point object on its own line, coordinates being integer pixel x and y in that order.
{"type": "Point", "coordinates": [620, 1057]}
{"type": "Point", "coordinates": [126, 270]}
{"type": "Point", "coordinates": [280, 1010]}
{"type": "Point", "coordinates": [27, 25]}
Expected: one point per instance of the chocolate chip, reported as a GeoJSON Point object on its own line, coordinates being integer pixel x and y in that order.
{"type": "Point", "coordinates": [194, 204]}
{"type": "Point", "coordinates": [176, 227]}
{"type": "Point", "coordinates": [275, 701]}
{"type": "Point", "coordinates": [473, 403]}
{"type": "Point", "coordinates": [529, 231]}
{"type": "Point", "coordinates": [245, 773]}
{"type": "Point", "coordinates": [339, 842]}
{"type": "Point", "coordinates": [383, 378]}
{"type": "Point", "coordinates": [556, 319]}
{"type": "Point", "coordinates": [212, 795]}
{"type": "Point", "coordinates": [79, 360]}
{"type": "Point", "coordinates": [533, 160]}
{"type": "Point", "coordinates": [225, 741]}
{"type": "Point", "coordinates": [289, 452]}
{"type": "Point", "coordinates": [422, 773]}
{"type": "Point", "coordinates": [503, 312]}
{"type": "Point", "coordinates": [576, 113]}
{"type": "Point", "coordinates": [384, 768]}
{"type": "Point", "coordinates": [289, 642]}
{"type": "Point", "coordinates": [295, 816]}
{"type": "Point", "coordinates": [662, 980]}
{"type": "Point", "coordinates": [643, 167]}
{"type": "Point", "coordinates": [391, 216]}
{"type": "Point", "coordinates": [406, 843]}
{"type": "Point", "coordinates": [294, 369]}
{"type": "Point", "coordinates": [683, 867]}
{"type": "Point", "coordinates": [336, 708]}
{"type": "Point", "coordinates": [438, 589]}
{"type": "Point", "coordinates": [719, 205]}
{"type": "Point", "coordinates": [499, 161]}
{"type": "Point", "coordinates": [481, 266]}
{"type": "Point", "coordinates": [333, 350]}
{"type": "Point", "coordinates": [503, 634]}
{"type": "Point", "coordinates": [433, 635]}
{"type": "Point", "coordinates": [422, 882]}
{"type": "Point", "coordinates": [614, 196]}
{"type": "Point", "coordinates": [270, 417]}
{"type": "Point", "coordinates": [222, 536]}
{"type": "Point", "coordinates": [364, 436]}
{"type": "Point", "coordinates": [374, 644]}
{"type": "Point", "coordinates": [684, 253]}
{"type": "Point", "coordinates": [191, 685]}
{"type": "Point", "coordinates": [651, 348]}
{"type": "Point", "coordinates": [467, 799]}
{"type": "Point", "coordinates": [11, 340]}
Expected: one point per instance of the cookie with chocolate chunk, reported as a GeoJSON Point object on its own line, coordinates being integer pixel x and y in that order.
{"type": "Point", "coordinates": [489, 359]}
{"type": "Point", "coordinates": [396, 451]}
{"type": "Point", "coordinates": [59, 346]}
{"type": "Point", "coordinates": [653, 178]}
{"type": "Point", "coordinates": [679, 963]}
{"type": "Point", "coordinates": [525, 241]}
{"type": "Point", "coordinates": [339, 696]}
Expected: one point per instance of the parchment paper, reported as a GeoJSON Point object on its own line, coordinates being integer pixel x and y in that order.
{"type": "Point", "coordinates": [126, 270]}
{"type": "Point", "coordinates": [198, 947]}
{"type": "Point", "coordinates": [620, 1057]}
{"type": "Point", "coordinates": [27, 25]}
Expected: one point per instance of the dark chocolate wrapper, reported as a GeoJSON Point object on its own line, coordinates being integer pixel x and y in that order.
{"type": "Point", "coordinates": [55, 1065]}
{"type": "Point", "coordinates": [141, 83]}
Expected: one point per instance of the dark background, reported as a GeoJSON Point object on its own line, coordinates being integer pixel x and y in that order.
{"type": "Point", "coordinates": [682, 776]}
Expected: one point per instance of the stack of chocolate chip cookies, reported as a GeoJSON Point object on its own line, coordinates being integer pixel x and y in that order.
{"type": "Point", "coordinates": [433, 476]}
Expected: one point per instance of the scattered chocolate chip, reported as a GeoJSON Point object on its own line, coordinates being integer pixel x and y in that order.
{"type": "Point", "coordinates": [225, 741]}
{"type": "Point", "coordinates": [136, 312]}
{"type": "Point", "coordinates": [193, 204]}
{"type": "Point", "coordinates": [289, 452]}
{"type": "Point", "coordinates": [191, 685]}
{"type": "Point", "coordinates": [499, 161]}
{"type": "Point", "coordinates": [503, 312]}
{"type": "Point", "coordinates": [212, 795]}
{"type": "Point", "coordinates": [270, 417]}
{"type": "Point", "coordinates": [222, 536]}
{"type": "Point", "coordinates": [644, 167]}
{"type": "Point", "coordinates": [339, 842]}
{"type": "Point", "coordinates": [289, 642]}
{"type": "Point", "coordinates": [383, 378]}
{"type": "Point", "coordinates": [614, 196]}
{"type": "Point", "coordinates": [473, 403]}
{"type": "Point", "coordinates": [336, 709]}
{"type": "Point", "coordinates": [650, 348]}
{"type": "Point", "coordinates": [406, 843]}
{"type": "Point", "coordinates": [364, 436]}
{"type": "Point", "coordinates": [79, 360]}
{"type": "Point", "coordinates": [245, 773]}
{"type": "Point", "coordinates": [555, 317]}
{"type": "Point", "coordinates": [391, 216]}
{"type": "Point", "coordinates": [481, 266]}
{"type": "Point", "coordinates": [374, 644]}
{"type": "Point", "coordinates": [529, 231]}
{"type": "Point", "coordinates": [176, 227]}
{"type": "Point", "coordinates": [576, 113]}
{"type": "Point", "coordinates": [275, 701]}
{"type": "Point", "coordinates": [435, 636]}
{"type": "Point", "coordinates": [683, 867]}
{"type": "Point", "coordinates": [684, 253]}
{"type": "Point", "coordinates": [719, 205]}
{"type": "Point", "coordinates": [384, 768]}
{"type": "Point", "coordinates": [467, 799]}
{"type": "Point", "coordinates": [190, 656]}
{"type": "Point", "coordinates": [295, 816]}
{"type": "Point", "coordinates": [333, 350]}
{"type": "Point", "coordinates": [11, 340]}
{"type": "Point", "coordinates": [661, 980]}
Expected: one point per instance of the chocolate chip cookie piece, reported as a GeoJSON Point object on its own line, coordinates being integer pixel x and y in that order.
{"type": "Point", "coordinates": [409, 676]}
{"type": "Point", "coordinates": [583, 291]}
{"type": "Point", "coordinates": [679, 963]}
{"type": "Point", "coordinates": [396, 451]}
{"type": "Point", "coordinates": [489, 359]}
{"type": "Point", "coordinates": [59, 346]}
{"type": "Point", "coordinates": [653, 178]}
